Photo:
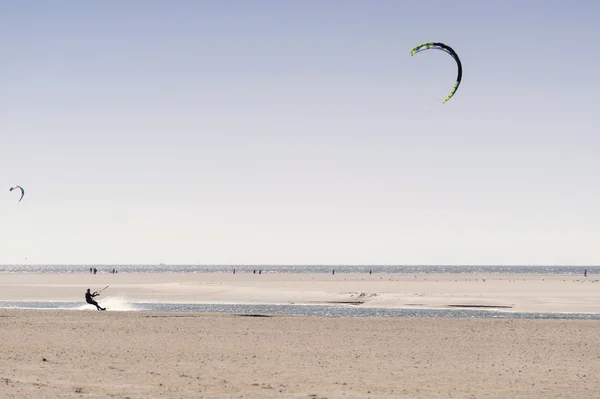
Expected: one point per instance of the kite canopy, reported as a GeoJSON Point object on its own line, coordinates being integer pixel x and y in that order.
{"type": "Point", "coordinates": [447, 49]}
{"type": "Point", "coordinates": [22, 191]}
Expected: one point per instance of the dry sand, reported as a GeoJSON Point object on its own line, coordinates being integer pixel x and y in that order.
{"type": "Point", "coordinates": [519, 293]}
{"type": "Point", "coordinates": [153, 355]}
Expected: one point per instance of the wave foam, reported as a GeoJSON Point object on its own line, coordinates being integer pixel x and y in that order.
{"type": "Point", "coordinates": [112, 304]}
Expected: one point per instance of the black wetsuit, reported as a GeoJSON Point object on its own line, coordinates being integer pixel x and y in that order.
{"type": "Point", "coordinates": [89, 299]}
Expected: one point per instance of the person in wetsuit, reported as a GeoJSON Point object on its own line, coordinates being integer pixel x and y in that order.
{"type": "Point", "coordinates": [89, 298]}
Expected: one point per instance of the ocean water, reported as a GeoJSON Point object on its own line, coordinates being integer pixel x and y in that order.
{"type": "Point", "coordinates": [256, 310]}
{"type": "Point", "coordinates": [407, 269]}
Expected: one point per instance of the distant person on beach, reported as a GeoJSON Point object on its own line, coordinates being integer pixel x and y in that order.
{"type": "Point", "coordinates": [89, 298]}
{"type": "Point", "coordinates": [584, 272]}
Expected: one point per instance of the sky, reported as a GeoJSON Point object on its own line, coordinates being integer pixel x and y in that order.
{"type": "Point", "coordinates": [280, 132]}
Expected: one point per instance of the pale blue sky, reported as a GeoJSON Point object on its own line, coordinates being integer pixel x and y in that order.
{"type": "Point", "coordinates": [301, 132]}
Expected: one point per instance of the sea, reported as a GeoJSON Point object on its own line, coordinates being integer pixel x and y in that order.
{"type": "Point", "coordinates": [408, 269]}
{"type": "Point", "coordinates": [266, 310]}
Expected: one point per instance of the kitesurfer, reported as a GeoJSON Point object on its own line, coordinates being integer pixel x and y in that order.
{"type": "Point", "coordinates": [89, 299]}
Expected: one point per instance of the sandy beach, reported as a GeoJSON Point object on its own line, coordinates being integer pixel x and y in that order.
{"type": "Point", "coordinates": [194, 355]}
{"type": "Point", "coordinates": [518, 293]}
{"type": "Point", "coordinates": [74, 354]}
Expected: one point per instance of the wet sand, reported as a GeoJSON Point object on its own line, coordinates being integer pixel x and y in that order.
{"type": "Point", "coordinates": [188, 355]}
{"type": "Point", "coordinates": [517, 293]}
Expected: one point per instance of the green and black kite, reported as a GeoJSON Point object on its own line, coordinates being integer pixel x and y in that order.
{"type": "Point", "coordinates": [447, 49]}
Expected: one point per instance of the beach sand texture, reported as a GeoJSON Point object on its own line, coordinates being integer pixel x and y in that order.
{"type": "Point", "coordinates": [90, 354]}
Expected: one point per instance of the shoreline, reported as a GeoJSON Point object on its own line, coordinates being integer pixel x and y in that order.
{"type": "Point", "coordinates": [506, 293]}
{"type": "Point", "coordinates": [287, 310]}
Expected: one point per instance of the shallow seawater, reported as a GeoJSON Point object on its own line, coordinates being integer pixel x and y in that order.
{"type": "Point", "coordinates": [324, 269]}
{"type": "Point", "coordinates": [301, 310]}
